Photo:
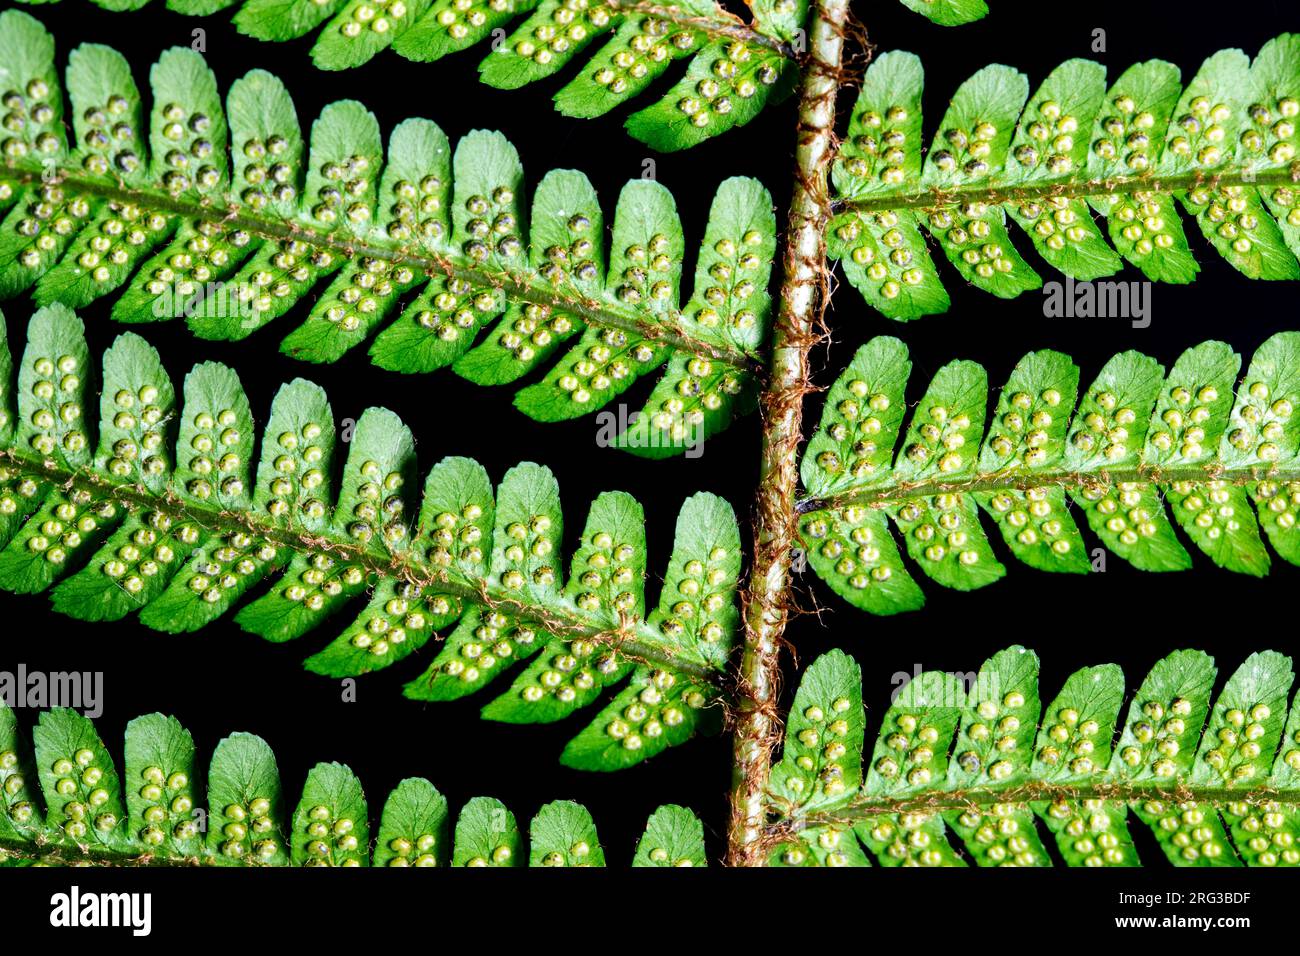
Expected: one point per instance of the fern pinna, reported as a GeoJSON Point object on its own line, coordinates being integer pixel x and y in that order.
{"type": "Point", "coordinates": [248, 819]}
{"type": "Point", "coordinates": [157, 501]}
{"type": "Point", "coordinates": [981, 772]}
{"type": "Point", "coordinates": [233, 239]}
{"type": "Point", "coordinates": [737, 66]}
{"type": "Point", "coordinates": [1140, 445]}
{"type": "Point", "coordinates": [1224, 149]}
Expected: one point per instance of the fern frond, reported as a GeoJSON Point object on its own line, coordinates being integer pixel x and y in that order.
{"type": "Point", "coordinates": [63, 805]}
{"type": "Point", "coordinates": [233, 239]}
{"type": "Point", "coordinates": [156, 502]}
{"type": "Point", "coordinates": [1223, 148]}
{"type": "Point", "coordinates": [737, 67]}
{"type": "Point", "coordinates": [966, 774]}
{"type": "Point", "coordinates": [1215, 452]}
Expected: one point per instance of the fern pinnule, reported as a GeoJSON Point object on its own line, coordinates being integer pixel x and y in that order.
{"type": "Point", "coordinates": [1141, 445]}
{"type": "Point", "coordinates": [86, 820]}
{"type": "Point", "coordinates": [1224, 148]}
{"type": "Point", "coordinates": [158, 505]}
{"type": "Point", "coordinates": [965, 771]}
{"type": "Point", "coordinates": [231, 239]}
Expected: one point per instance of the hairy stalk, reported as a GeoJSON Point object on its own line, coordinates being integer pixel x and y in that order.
{"type": "Point", "coordinates": [638, 642]}
{"type": "Point", "coordinates": [993, 195]}
{"type": "Point", "coordinates": [1031, 792]}
{"type": "Point", "coordinates": [518, 286]}
{"type": "Point", "coordinates": [902, 491]}
{"type": "Point", "coordinates": [732, 28]}
{"type": "Point", "coordinates": [803, 301]}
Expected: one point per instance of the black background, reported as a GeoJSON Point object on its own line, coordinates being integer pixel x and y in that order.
{"type": "Point", "coordinates": [222, 679]}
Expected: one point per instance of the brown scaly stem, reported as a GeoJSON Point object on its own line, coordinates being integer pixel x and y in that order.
{"type": "Point", "coordinates": [804, 296]}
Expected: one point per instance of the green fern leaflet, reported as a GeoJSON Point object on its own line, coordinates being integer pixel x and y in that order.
{"type": "Point", "coordinates": [985, 774]}
{"type": "Point", "coordinates": [948, 13]}
{"type": "Point", "coordinates": [153, 506]}
{"type": "Point", "coordinates": [63, 805]}
{"type": "Point", "coordinates": [427, 250]}
{"type": "Point", "coordinates": [1224, 149]}
{"type": "Point", "coordinates": [1141, 445]}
